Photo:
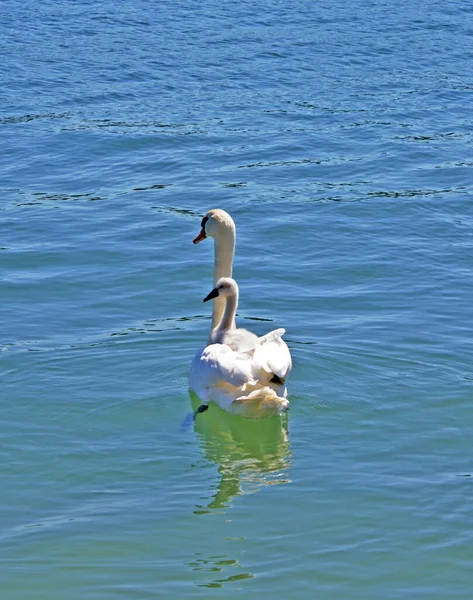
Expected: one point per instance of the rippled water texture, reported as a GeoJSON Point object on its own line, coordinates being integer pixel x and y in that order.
{"type": "Point", "coordinates": [339, 137]}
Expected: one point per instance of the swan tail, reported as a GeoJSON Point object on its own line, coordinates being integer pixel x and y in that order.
{"type": "Point", "coordinates": [260, 404]}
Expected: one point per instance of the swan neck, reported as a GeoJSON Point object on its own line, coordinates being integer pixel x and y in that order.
{"type": "Point", "coordinates": [228, 319]}
{"type": "Point", "coordinates": [223, 267]}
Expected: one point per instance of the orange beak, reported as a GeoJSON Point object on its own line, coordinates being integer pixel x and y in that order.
{"type": "Point", "coordinates": [200, 237]}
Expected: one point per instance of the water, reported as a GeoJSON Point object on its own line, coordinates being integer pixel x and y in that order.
{"type": "Point", "coordinates": [339, 138]}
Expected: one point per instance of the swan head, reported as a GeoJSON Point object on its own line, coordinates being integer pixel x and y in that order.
{"type": "Point", "coordinates": [225, 287]}
{"type": "Point", "coordinates": [216, 223]}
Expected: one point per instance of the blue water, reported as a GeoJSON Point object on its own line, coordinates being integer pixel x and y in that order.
{"type": "Point", "coordinates": [339, 137]}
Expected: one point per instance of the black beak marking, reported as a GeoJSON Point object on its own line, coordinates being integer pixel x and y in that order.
{"type": "Point", "coordinates": [213, 294]}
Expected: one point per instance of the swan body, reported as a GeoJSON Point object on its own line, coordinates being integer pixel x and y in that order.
{"type": "Point", "coordinates": [239, 371]}
{"type": "Point", "coordinates": [240, 340]}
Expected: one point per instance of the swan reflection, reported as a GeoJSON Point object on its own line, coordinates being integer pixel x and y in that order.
{"type": "Point", "coordinates": [249, 453]}
{"type": "Point", "coordinates": [220, 570]}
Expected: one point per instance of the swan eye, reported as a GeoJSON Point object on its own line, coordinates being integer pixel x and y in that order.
{"type": "Point", "coordinates": [203, 222]}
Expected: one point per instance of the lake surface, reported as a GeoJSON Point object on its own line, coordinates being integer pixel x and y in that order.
{"type": "Point", "coordinates": [339, 137]}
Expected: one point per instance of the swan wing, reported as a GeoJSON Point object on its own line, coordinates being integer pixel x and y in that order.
{"type": "Point", "coordinates": [216, 365]}
{"type": "Point", "coordinates": [272, 335]}
{"type": "Point", "coordinates": [273, 356]}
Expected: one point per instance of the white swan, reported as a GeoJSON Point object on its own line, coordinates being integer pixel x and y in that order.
{"type": "Point", "coordinates": [240, 372]}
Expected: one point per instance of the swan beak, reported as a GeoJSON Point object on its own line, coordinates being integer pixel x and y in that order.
{"type": "Point", "coordinates": [200, 237]}
{"type": "Point", "coordinates": [213, 294]}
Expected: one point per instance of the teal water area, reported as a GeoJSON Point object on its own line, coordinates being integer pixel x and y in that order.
{"type": "Point", "coordinates": [339, 137]}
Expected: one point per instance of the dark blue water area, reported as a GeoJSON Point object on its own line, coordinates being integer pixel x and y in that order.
{"type": "Point", "coordinates": [98, 95]}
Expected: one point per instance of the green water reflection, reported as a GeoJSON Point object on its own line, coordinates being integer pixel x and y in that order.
{"type": "Point", "coordinates": [249, 453]}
